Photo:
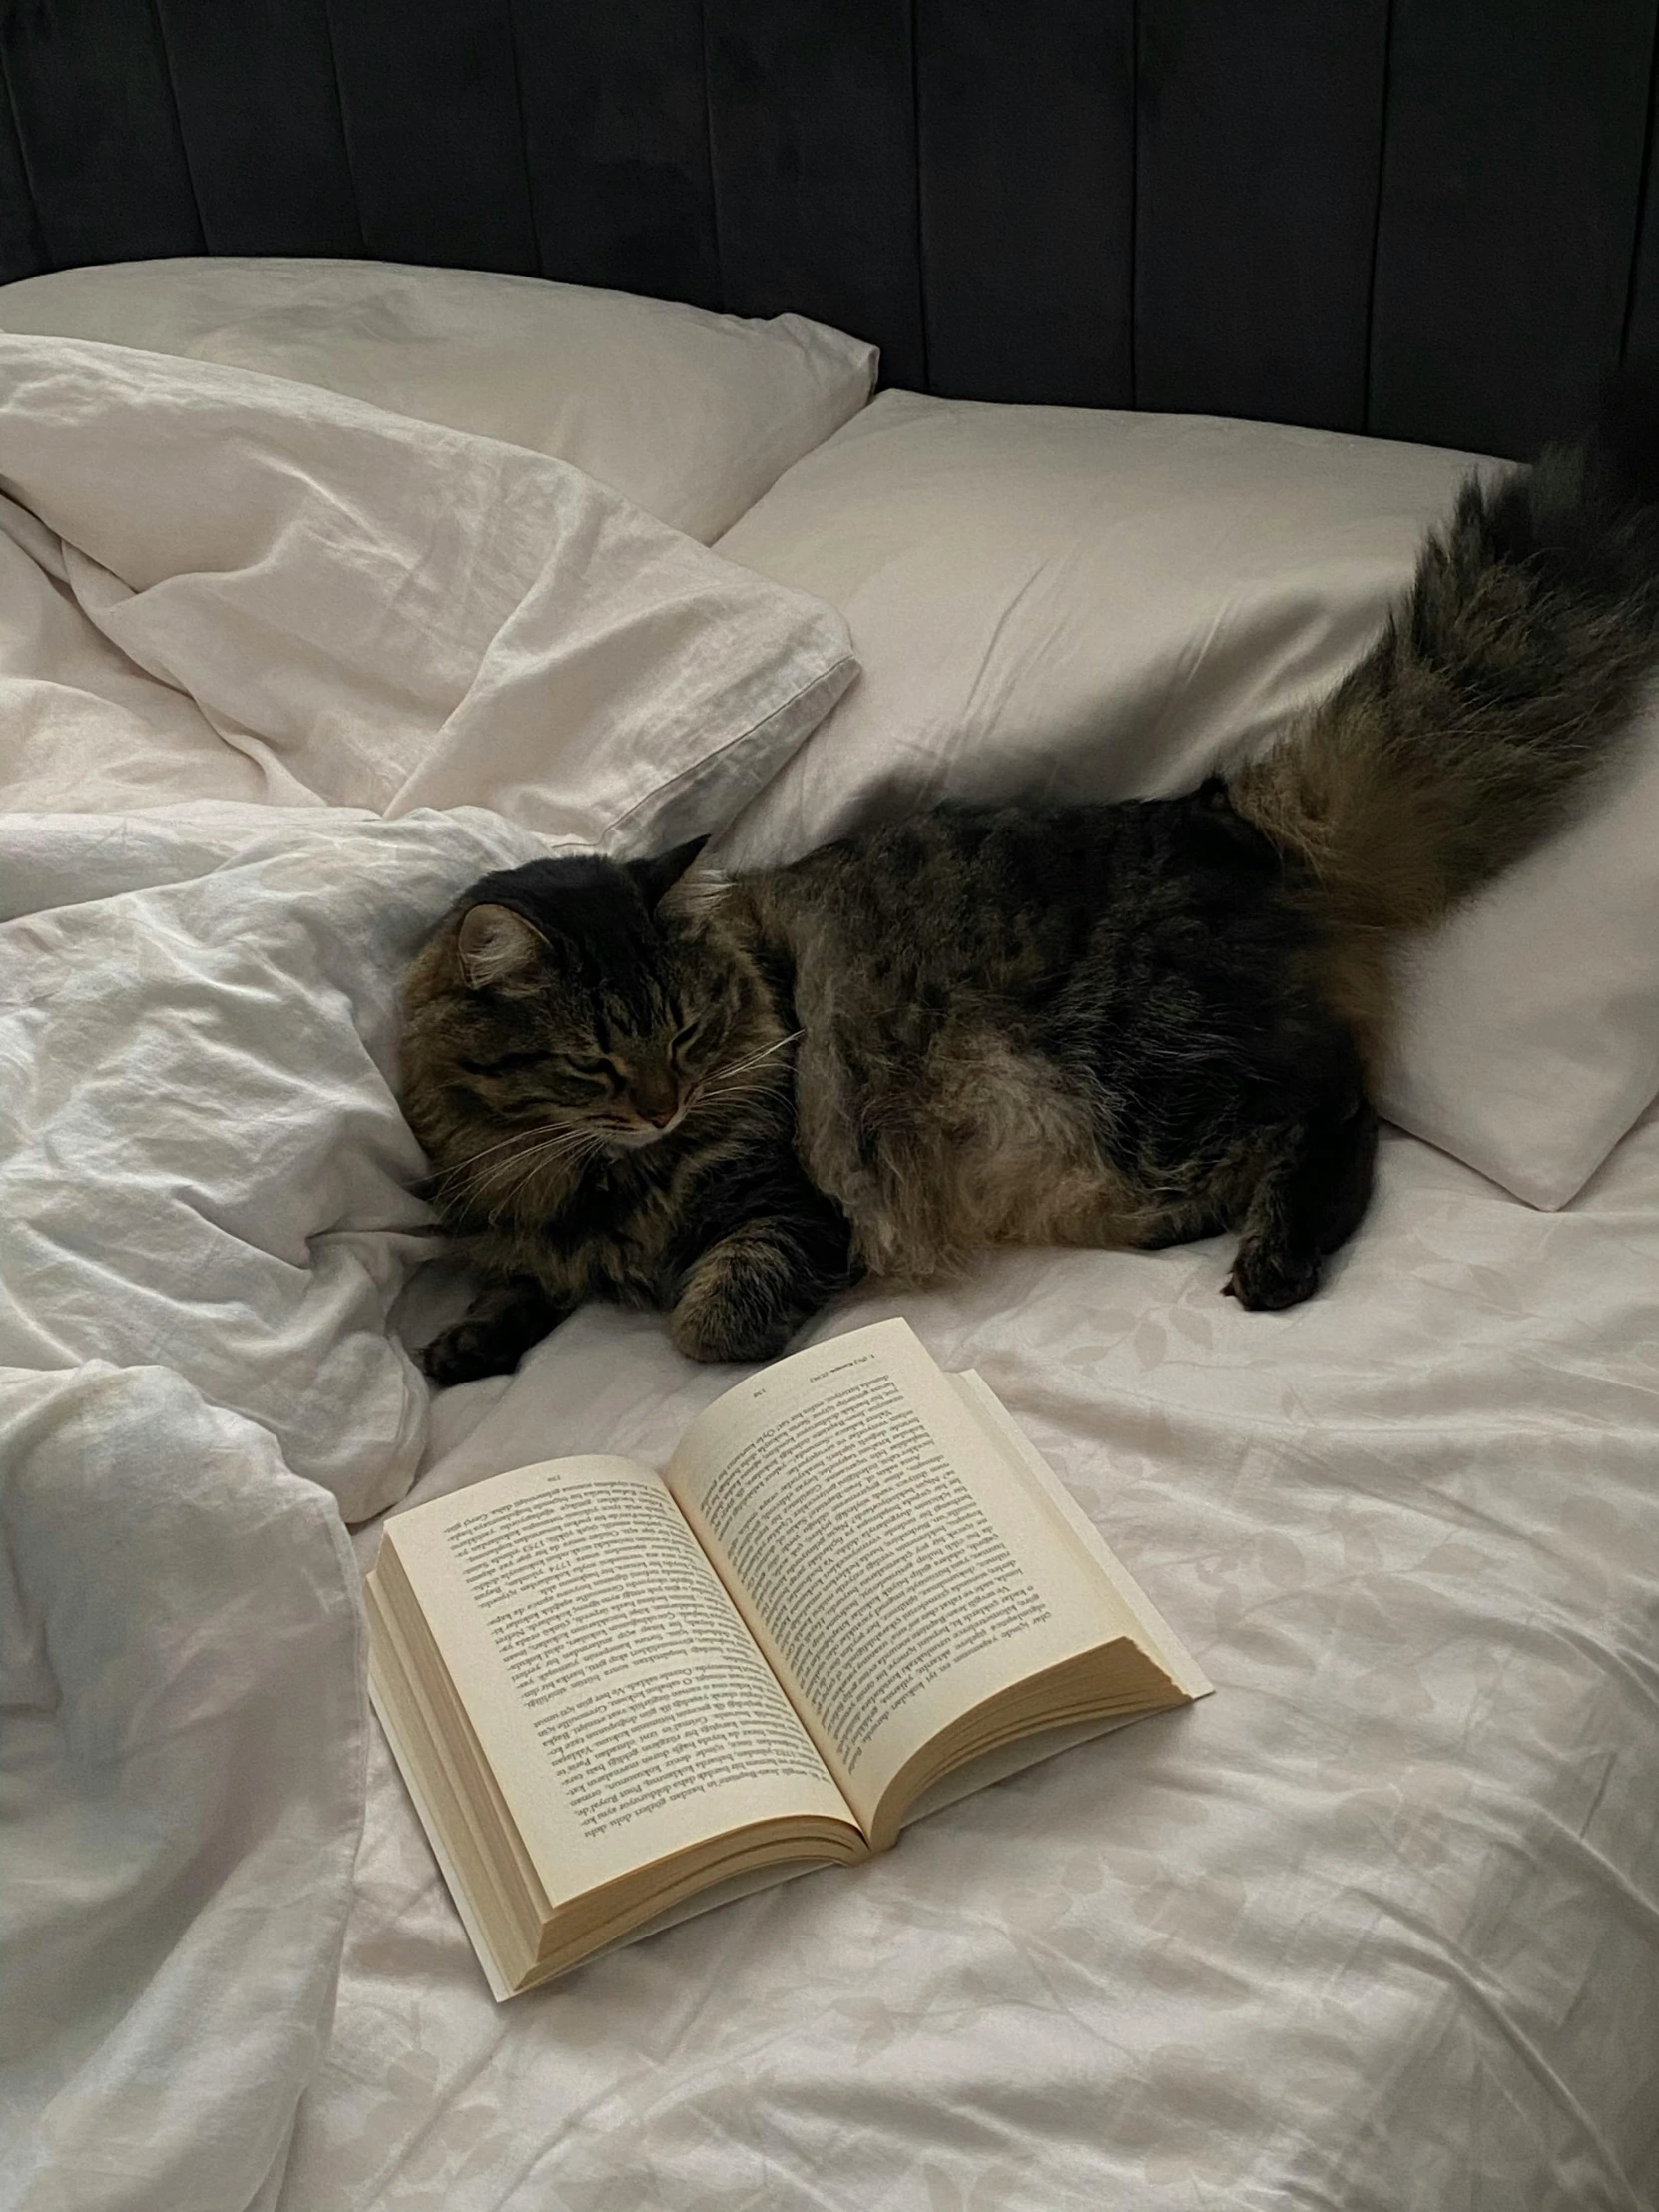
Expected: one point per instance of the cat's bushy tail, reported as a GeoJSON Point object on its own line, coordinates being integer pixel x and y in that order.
{"type": "Point", "coordinates": [1498, 688]}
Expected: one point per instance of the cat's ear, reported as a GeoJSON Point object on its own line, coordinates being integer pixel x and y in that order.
{"type": "Point", "coordinates": [653, 878]}
{"type": "Point", "coordinates": [494, 944]}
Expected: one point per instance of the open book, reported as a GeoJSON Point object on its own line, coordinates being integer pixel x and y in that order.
{"type": "Point", "coordinates": [854, 1594]}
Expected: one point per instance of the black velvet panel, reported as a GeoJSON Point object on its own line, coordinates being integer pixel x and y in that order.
{"type": "Point", "coordinates": [1028, 198]}
{"type": "Point", "coordinates": [259, 115]}
{"type": "Point", "coordinates": [1641, 334]}
{"type": "Point", "coordinates": [429, 90]}
{"type": "Point", "coordinates": [616, 124]}
{"type": "Point", "coordinates": [813, 136]}
{"type": "Point", "coordinates": [22, 249]}
{"type": "Point", "coordinates": [1512, 175]}
{"type": "Point", "coordinates": [99, 130]}
{"type": "Point", "coordinates": [1259, 131]}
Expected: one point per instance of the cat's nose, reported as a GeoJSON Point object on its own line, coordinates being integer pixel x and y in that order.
{"type": "Point", "coordinates": [655, 1098]}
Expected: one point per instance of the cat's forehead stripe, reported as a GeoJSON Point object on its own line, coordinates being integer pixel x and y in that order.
{"type": "Point", "coordinates": [586, 906]}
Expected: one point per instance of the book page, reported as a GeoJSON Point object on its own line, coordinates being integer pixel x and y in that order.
{"type": "Point", "coordinates": [619, 1699]}
{"type": "Point", "coordinates": [1026, 1463]}
{"type": "Point", "coordinates": [895, 1568]}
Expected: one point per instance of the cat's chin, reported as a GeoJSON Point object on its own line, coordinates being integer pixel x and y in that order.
{"type": "Point", "coordinates": [635, 1140]}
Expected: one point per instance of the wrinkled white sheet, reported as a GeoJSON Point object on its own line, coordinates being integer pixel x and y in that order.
{"type": "Point", "coordinates": [1375, 1927]}
{"type": "Point", "coordinates": [202, 1159]}
{"type": "Point", "coordinates": [181, 1790]}
{"type": "Point", "coordinates": [204, 1184]}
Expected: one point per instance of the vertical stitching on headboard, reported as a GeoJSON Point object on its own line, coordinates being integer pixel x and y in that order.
{"type": "Point", "coordinates": [1134, 198]}
{"type": "Point", "coordinates": [523, 136]}
{"type": "Point", "coordinates": [179, 121]}
{"type": "Point", "coordinates": [922, 186]}
{"type": "Point", "coordinates": [1639, 229]}
{"type": "Point", "coordinates": [344, 128]}
{"type": "Point", "coordinates": [1376, 207]}
{"type": "Point", "coordinates": [21, 143]}
{"type": "Point", "coordinates": [709, 151]}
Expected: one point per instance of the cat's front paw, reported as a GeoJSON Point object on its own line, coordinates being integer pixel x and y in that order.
{"type": "Point", "coordinates": [726, 1314]}
{"type": "Point", "coordinates": [1266, 1282]}
{"type": "Point", "coordinates": [717, 1329]}
{"type": "Point", "coordinates": [505, 1319]}
{"type": "Point", "coordinates": [467, 1352]}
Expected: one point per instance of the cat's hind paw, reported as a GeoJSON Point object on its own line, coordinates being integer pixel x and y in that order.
{"type": "Point", "coordinates": [1269, 1282]}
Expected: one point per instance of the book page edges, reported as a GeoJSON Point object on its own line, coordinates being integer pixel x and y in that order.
{"type": "Point", "coordinates": [501, 1988]}
{"type": "Point", "coordinates": [1008, 1760]}
{"type": "Point", "coordinates": [469, 1690]}
{"type": "Point", "coordinates": [1061, 1696]}
{"type": "Point", "coordinates": [631, 1917]}
{"type": "Point", "coordinates": [1156, 1637]}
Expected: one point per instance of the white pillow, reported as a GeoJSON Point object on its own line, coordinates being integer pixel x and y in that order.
{"type": "Point", "coordinates": [370, 611]}
{"type": "Point", "coordinates": [688, 413]}
{"type": "Point", "coordinates": [1529, 1041]}
{"type": "Point", "coordinates": [1085, 604]}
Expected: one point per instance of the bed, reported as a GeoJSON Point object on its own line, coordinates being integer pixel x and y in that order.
{"type": "Point", "coordinates": [408, 502]}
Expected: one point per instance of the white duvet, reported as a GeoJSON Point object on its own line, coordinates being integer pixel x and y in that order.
{"type": "Point", "coordinates": [240, 623]}
{"type": "Point", "coordinates": [1375, 1927]}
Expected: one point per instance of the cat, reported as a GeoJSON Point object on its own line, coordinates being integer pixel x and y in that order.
{"type": "Point", "coordinates": [1131, 1024]}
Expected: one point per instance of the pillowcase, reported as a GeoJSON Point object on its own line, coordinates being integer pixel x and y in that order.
{"type": "Point", "coordinates": [690, 414]}
{"type": "Point", "coordinates": [1529, 1033]}
{"type": "Point", "coordinates": [364, 609]}
{"type": "Point", "coordinates": [1069, 604]}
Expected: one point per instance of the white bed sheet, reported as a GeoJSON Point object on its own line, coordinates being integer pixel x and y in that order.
{"type": "Point", "coordinates": [1378, 1926]}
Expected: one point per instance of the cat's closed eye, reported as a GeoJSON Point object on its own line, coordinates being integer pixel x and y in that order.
{"type": "Point", "coordinates": [687, 1040]}
{"type": "Point", "coordinates": [556, 1064]}
{"type": "Point", "coordinates": [507, 1063]}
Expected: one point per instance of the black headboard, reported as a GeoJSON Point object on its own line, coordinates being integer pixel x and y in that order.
{"type": "Point", "coordinates": [1420, 218]}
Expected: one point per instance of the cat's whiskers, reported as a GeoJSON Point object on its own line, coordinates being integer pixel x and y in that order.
{"type": "Point", "coordinates": [738, 1079]}
{"type": "Point", "coordinates": [562, 1143]}
{"type": "Point", "coordinates": [753, 1060]}
{"type": "Point", "coordinates": [519, 1137]}
{"type": "Point", "coordinates": [556, 1144]}
{"type": "Point", "coordinates": [575, 1153]}
{"type": "Point", "coordinates": [728, 1093]}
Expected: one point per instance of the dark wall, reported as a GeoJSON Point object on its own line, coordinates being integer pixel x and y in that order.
{"type": "Point", "coordinates": [1420, 218]}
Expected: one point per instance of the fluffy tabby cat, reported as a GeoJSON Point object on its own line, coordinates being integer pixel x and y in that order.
{"type": "Point", "coordinates": [1130, 1024]}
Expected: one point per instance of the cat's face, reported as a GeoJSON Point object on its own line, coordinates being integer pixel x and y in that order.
{"type": "Point", "coordinates": [577, 1007]}
{"type": "Point", "coordinates": [622, 1054]}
